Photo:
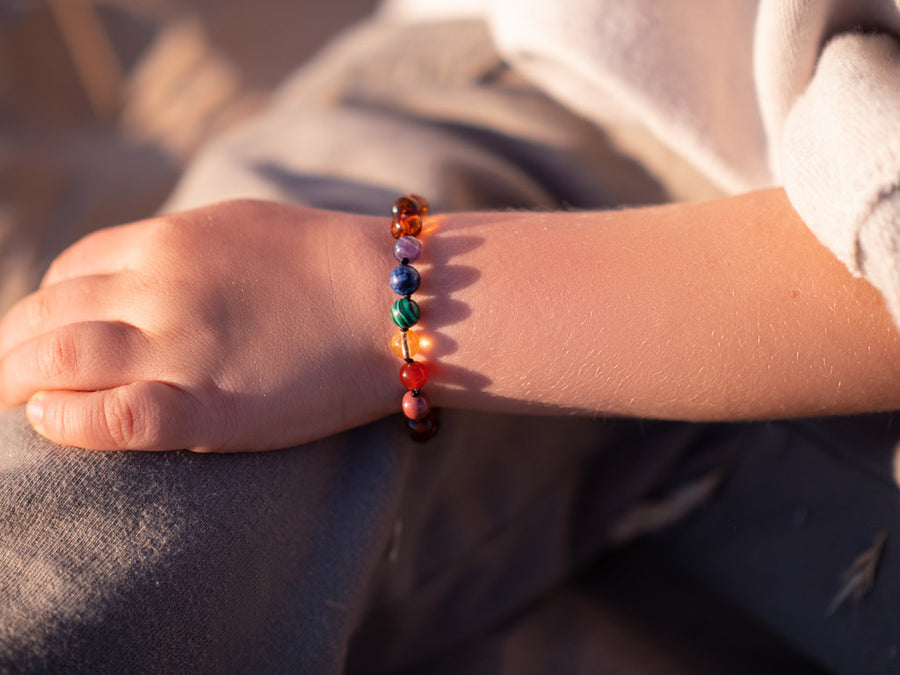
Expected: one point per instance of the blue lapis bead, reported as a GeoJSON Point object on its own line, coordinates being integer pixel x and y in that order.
{"type": "Point", "coordinates": [405, 280]}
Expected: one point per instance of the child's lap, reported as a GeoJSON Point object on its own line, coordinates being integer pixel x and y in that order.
{"type": "Point", "coordinates": [412, 553]}
{"type": "Point", "coordinates": [278, 559]}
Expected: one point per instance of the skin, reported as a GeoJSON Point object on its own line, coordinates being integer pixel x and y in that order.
{"type": "Point", "coordinates": [251, 326]}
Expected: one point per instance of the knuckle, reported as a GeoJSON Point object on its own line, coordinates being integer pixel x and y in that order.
{"type": "Point", "coordinates": [165, 231]}
{"type": "Point", "coordinates": [58, 358]}
{"type": "Point", "coordinates": [125, 420]}
{"type": "Point", "coordinates": [37, 310]}
{"type": "Point", "coordinates": [55, 269]}
{"type": "Point", "coordinates": [62, 263]}
{"type": "Point", "coordinates": [248, 205]}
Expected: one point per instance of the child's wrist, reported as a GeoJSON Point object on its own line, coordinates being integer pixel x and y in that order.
{"type": "Point", "coordinates": [360, 263]}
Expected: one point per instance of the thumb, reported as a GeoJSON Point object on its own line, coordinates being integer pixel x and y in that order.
{"type": "Point", "coordinates": [137, 416]}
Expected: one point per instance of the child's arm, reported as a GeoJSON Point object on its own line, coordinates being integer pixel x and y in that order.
{"type": "Point", "coordinates": [255, 326]}
{"type": "Point", "coordinates": [721, 310]}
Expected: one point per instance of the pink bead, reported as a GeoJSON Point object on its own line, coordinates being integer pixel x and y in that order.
{"type": "Point", "coordinates": [415, 407]}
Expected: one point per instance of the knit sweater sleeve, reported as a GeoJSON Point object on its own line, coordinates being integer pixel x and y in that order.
{"type": "Point", "coordinates": [831, 103]}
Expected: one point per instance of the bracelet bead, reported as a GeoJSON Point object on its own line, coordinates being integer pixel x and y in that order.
{"type": "Point", "coordinates": [405, 312]}
{"type": "Point", "coordinates": [408, 212]}
{"type": "Point", "coordinates": [405, 280]}
{"type": "Point", "coordinates": [405, 344]}
{"type": "Point", "coordinates": [407, 248]}
{"type": "Point", "coordinates": [409, 205]}
{"type": "Point", "coordinates": [413, 375]}
{"type": "Point", "coordinates": [415, 407]}
{"type": "Point", "coordinates": [410, 225]}
{"type": "Point", "coordinates": [423, 429]}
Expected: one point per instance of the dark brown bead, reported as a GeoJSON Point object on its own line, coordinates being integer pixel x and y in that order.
{"type": "Point", "coordinates": [409, 205]}
{"type": "Point", "coordinates": [422, 429]}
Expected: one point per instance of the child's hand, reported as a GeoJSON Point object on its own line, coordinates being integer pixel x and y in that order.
{"type": "Point", "coordinates": [240, 326]}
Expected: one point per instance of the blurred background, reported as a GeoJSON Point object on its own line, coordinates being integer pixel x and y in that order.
{"type": "Point", "coordinates": [103, 102]}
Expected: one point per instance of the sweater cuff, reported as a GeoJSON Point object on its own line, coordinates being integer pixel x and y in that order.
{"type": "Point", "coordinates": [879, 250]}
{"type": "Point", "coordinates": [841, 157]}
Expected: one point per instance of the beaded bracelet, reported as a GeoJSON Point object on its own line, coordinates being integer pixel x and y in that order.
{"type": "Point", "coordinates": [408, 212]}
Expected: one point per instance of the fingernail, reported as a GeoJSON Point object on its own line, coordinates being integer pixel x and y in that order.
{"type": "Point", "coordinates": [34, 411]}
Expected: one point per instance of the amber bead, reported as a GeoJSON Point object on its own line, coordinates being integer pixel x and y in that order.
{"type": "Point", "coordinates": [405, 344]}
{"type": "Point", "coordinates": [406, 225]}
{"type": "Point", "coordinates": [413, 375]}
{"type": "Point", "coordinates": [415, 407]}
{"type": "Point", "coordinates": [410, 205]}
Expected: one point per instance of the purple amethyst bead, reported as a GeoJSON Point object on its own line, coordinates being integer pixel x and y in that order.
{"type": "Point", "coordinates": [407, 247]}
{"type": "Point", "coordinates": [405, 280]}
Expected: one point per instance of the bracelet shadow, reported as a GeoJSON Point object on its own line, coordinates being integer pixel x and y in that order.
{"type": "Point", "coordinates": [454, 278]}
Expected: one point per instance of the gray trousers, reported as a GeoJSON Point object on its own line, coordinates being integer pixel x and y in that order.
{"type": "Point", "coordinates": [507, 544]}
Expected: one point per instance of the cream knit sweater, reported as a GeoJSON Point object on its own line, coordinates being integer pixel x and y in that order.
{"type": "Point", "coordinates": [800, 93]}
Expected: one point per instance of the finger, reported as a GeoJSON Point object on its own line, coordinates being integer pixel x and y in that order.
{"type": "Point", "coordinates": [92, 298]}
{"type": "Point", "coordinates": [105, 251]}
{"type": "Point", "coordinates": [137, 416]}
{"type": "Point", "coordinates": [81, 356]}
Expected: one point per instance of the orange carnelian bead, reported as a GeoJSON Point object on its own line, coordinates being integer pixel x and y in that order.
{"type": "Point", "coordinates": [413, 375]}
{"type": "Point", "coordinates": [410, 224]}
{"type": "Point", "coordinates": [410, 205]}
{"type": "Point", "coordinates": [405, 344]}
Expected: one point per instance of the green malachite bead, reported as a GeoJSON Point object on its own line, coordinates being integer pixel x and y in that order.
{"type": "Point", "coordinates": [405, 312]}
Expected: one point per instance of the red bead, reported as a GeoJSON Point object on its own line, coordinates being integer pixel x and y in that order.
{"type": "Point", "coordinates": [415, 407]}
{"type": "Point", "coordinates": [413, 375]}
